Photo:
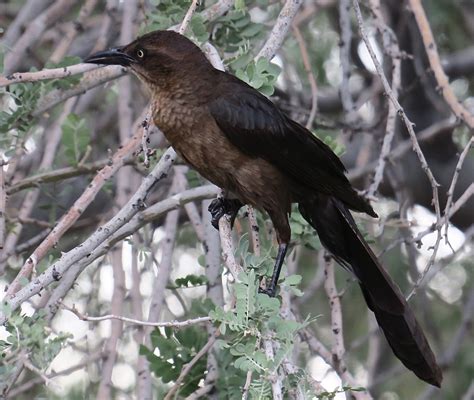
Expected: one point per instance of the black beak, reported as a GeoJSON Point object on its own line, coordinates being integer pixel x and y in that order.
{"type": "Point", "coordinates": [111, 57]}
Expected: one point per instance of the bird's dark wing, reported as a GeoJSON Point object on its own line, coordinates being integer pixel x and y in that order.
{"type": "Point", "coordinates": [258, 128]}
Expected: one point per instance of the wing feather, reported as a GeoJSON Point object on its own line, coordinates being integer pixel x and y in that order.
{"type": "Point", "coordinates": [259, 129]}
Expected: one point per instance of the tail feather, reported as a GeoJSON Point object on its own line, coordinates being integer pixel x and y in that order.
{"type": "Point", "coordinates": [339, 234]}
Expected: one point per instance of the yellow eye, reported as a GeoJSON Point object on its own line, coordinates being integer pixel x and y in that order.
{"type": "Point", "coordinates": [140, 53]}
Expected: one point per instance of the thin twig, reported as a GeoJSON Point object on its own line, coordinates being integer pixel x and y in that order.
{"type": "Point", "coordinates": [167, 324]}
{"type": "Point", "coordinates": [457, 171]}
{"type": "Point", "coordinates": [187, 368]}
{"type": "Point", "coordinates": [246, 388]}
{"type": "Point", "coordinates": [345, 56]}
{"type": "Point", "coordinates": [30, 199]}
{"type": "Point", "coordinates": [59, 175]}
{"type": "Point", "coordinates": [280, 29]}
{"type": "Point", "coordinates": [338, 349]}
{"type": "Point", "coordinates": [409, 125]}
{"type": "Point", "coordinates": [77, 209]}
{"type": "Point", "coordinates": [187, 17]}
{"type": "Point", "coordinates": [38, 372]}
{"type": "Point", "coordinates": [391, 45]}
{"type": "Point", "coordinates": [309, 73]}
{"type": "Point", "coordinates": [91, 79]}
{"type": "Point", "coordinates": [274, 378]}
{"type": "Point", "coordinates": [53, 73]}
{"type": "Point", "coordinates": [97, 238]}
{"type": "Point", "coordinates": [444, 126]}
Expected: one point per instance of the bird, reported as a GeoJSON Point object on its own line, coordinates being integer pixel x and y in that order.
{"type": "Point", "coordinates": [238, 139]}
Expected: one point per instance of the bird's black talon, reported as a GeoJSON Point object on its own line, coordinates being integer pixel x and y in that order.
{"type": "Point", "coordinates": [217, 210]}
{"type": "Point", "coordinates": [220, 207]}
{"type": "Point", "coordinates": [216, 205]}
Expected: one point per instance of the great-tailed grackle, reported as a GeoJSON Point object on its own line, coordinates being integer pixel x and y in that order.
{"type": "Point", "coordinates": [239, 140]}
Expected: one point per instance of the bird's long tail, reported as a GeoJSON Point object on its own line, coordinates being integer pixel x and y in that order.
{"type": "Point", "coordinates": [338, 232]}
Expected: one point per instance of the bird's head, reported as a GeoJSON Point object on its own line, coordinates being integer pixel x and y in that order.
{"type": "Point", "coordinates": [155, 57]}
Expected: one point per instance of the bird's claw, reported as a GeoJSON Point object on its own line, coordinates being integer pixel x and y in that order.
{"type": "Point", "coordinates": [217, 210]}
{"type": "Point", "coordinates": [222, 206]}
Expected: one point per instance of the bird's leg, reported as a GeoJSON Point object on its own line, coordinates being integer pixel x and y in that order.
{"type": "Point", "coordinates": [271, 290]}
{"type": "Point", "coordinates": [222, 206]}
{"type": "Point", "coordinates": [281, 224]}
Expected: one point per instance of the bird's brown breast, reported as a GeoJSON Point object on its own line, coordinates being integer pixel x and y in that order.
{"type": "Point", "coordinates": [195, 136]}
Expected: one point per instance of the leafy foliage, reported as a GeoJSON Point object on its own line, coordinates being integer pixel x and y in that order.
{"type": "Point", "coordinates": [76, 138]}
{"type": "Point", "coordinates": [190, 281]}
{"type": "Point", "coordinates": [256, 318]}
{"type": "Point", "coordinates": [169, 12]}
{"type": "Point", "coordinates": [17, 120]}
{"type": "Point", "coordinates": [234, 32]}
{"type": "Point", "coordinates": [33, 335]}
{"type": "Point", "coordinates": [261, 75]}
{"type": "Point", "coordinates": [175, 349]}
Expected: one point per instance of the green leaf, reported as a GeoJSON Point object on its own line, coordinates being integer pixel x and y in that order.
{"type": "Point", "coordinates": [198, 27]}
{"type": "Point", "coordinates": [191, 280]}
{"type": "Point", "coordinates": [239, 5]}
{"type": "Point", "coordinates": [75, 138]}
{"type": "Point", "coordinates": [293, 280]}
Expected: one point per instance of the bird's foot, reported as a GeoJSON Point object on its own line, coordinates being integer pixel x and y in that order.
{"type": "Point", "coordinates": [220, 207]}
{"type": "Point", "coordinates": [217, 210]}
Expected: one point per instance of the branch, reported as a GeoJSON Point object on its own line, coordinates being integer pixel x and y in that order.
{"type": "Point", "coordinates": [317, 347]}
{"type": "Point", "coordinates": [32, 382]}
{"type": "Point", "coordinates": [254, 229]}
{"type": "Point", "coordinates": [442, 80]}
{"type": "Point", "coordinates": [444, 126]}
{"type": "Point", "coordinates": [54, 73]}
{"type": "Point", "coordinates": [187, 17]}
{"type": "Point", "coordinates": [37, 371]}
{"type": "Point", "coordinates": [60, 174]}
{"type": "Point", "coordinates": [187, 368]}
{"type": "Point", "coordinates": [338, 349]}
{"type": "Point", "coordinates": [68, 219]}
{"type": "Point", "coordinates": [217, 10]}
{"type": "Point", "coordinates": [280, 29]}
{"type": "Point", "coordinates": [167, 324]}
{"type": "Point", "coordinates": [409, 125]}
{"type": "Point", "coordinates": [91, 79]}
{"type": "Point", "coordinates": [449, 201]}
{"type": "Point", "coordinates": [309, 73]}
{"type": "Point", "coordinates": [345, 95]}
{"type": "Point", "coordinates": [225, 234]}
{"type": "Point", "coordinates": [34, 30]}
{"type": "Point", "coordinates": [97, 238]}
{"type": "Point", "coordinates": [390, 43]}
{"type": "Point", "coordinates": [199, 393]}
{"type": "Point", "coordinates": [29, 201]}
{"type": "Point", "coordinates": [274, 378]}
